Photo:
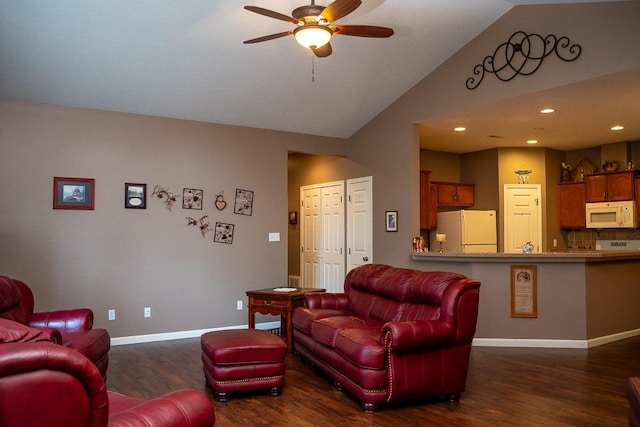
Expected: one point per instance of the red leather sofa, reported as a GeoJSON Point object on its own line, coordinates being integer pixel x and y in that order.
{"type": "Point", "coordinates": [70, 328]}
{"type": "Point", "coordinates": [46, 384]}
{"type": "Point", "coordinates": [394, 334]}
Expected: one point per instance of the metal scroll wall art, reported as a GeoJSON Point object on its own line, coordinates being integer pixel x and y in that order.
{"type": "Point", "coordinates": [522, 54]}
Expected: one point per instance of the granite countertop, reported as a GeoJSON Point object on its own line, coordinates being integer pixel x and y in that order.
{"type": "Point", "coordinates": [555, 256]}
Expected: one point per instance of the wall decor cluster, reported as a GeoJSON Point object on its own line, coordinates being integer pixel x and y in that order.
{"type": "Point", "coordinates": [73, 193]}
{"type": "Point", "coordinates": [168, 197]}
{"type": "Point", "coordinates": [202, 224]}
{"type": "Point", "coordinates": [522, 54]}
{"type": "Point", "coordinates": [192, 198]}
{"type": "Point", "coordinates": [135, 196]}
{"type": "Point", "coordinates": [244, 202]}
{"type": "Point", "coordinates": [223, 233]}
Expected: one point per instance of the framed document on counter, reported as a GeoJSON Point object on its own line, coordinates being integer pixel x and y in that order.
{"type": "Point", "coordinates": [524, 292]}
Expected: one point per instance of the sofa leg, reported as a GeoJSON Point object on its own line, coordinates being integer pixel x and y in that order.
{"type": "Point", "coordinates": [453, 397]}
{"type": "Point", "coordinates": [222, 396]}
{"type": "Point", "coordinates": [369, 407]}
{"type": "Point", "coordinates": [275, 391]}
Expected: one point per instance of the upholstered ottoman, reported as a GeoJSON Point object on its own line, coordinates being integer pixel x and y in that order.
{"type": "Point", "coordinates": [243, 359]}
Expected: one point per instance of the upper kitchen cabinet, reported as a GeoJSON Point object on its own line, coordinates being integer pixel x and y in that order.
{"type": "Point", "coordinates": [455, 194]}
{"type": "Point", "coordinates": [571, 205]}
{"type": "Point", "coordinates": [428, 206]}
{"type": "Point", "coordinates": [610, 186]}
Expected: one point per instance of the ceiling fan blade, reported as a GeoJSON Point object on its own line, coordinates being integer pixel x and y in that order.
{"type": "Point", "coordinates": [323, 51]}
{"type": "Point", "coordinates": [269, 37]}
{"type": "Point", "coordinates": [362, 30]}
{"type": "Point", "coordinates": [272, 14]}
{"type": "Point", "coordinates": [340, 8]}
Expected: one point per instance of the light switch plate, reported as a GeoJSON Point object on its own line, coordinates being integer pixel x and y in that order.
{"type": "Point", "coordinates": [274, 237]}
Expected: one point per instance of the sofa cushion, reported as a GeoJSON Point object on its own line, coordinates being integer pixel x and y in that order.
{"type": "Point", "coordinates": [10, 301]}
{"type": "Point", "coordinates": [361, 347]}
{"type": "Point", "coordinates": [11, 331]}
{"type": "Point", "coordinates": [303, 318]}
{"type": "Point", "coordinates": [325, 330]}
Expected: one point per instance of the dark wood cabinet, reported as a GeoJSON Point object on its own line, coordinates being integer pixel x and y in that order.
{"type": "Point", "coordinates": [610, 186]}
{"type": "Point", "coordinates": [428, 202]}
{"type": "Point", "coordinates": [455, 194]}
{"type": "Point", "coordinates": [571, 205]}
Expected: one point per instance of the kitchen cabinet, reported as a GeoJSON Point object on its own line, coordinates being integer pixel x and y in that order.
{"type": "Point", "coordinates": [428, 202]}
{"type": "Point", "coordinates": [571, 205]}
{"type": "Point", "coordinates": [610, 186]}
{"type": "Point", "coordinates": [455, 194]}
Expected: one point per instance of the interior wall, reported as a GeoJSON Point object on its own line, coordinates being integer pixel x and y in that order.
{"type": "Point", "coordinates": [128, 259]}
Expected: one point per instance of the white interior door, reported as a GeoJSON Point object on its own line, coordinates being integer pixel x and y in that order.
{"type": "Point", "coordinates": [522, 217]}
{"type": "Point", "coordinates": [310, 210]}
{"type": "Point", "coordinates": [359, 222]}
{"type": "Point", "coordinates": [322, 260]}
{"type": "Point", "coordinates": [332, 229]}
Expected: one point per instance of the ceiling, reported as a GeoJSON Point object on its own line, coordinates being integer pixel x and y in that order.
{"type": "Point", "coordinates": [186, 60]}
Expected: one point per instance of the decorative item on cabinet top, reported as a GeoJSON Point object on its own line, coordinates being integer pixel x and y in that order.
{"type": "Point", "coordinates": [582, 168]}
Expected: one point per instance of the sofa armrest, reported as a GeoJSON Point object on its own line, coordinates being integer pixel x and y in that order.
{"type": "Point", "coordinates": [417, 334]}
{"type": "Point", "coordinates": [182, 408]}
{"type": "Point", "coordinates": [74, 320]}
{"type": "Point", "coordinates": [330, 301]}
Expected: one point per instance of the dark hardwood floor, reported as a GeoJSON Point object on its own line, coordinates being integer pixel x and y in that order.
{"type": "Point", "coordinates": [505, 387]}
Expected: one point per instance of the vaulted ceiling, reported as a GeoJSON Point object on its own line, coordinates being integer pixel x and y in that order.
{"type": "Point", "coordinates": [187, 59]}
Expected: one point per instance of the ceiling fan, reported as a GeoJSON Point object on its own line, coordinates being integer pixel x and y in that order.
{"type": "Point", "coordinates": [315, 25]}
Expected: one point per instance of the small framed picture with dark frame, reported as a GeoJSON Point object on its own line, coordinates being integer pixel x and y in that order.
{"type": "Point", "coordinates": [391, 220]}
{"type": "Point", "coordinates": [73, 193]}
{"type": "Point", "coordinates": [135, 196]}
{"type": "Point", "coordinates": [192, 198]}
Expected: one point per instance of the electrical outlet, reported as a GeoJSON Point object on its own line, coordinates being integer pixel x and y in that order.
{"type": "Point", "coordinates": [239, 304]}
{"type": "Point", "coordinates": [112, 314]}
{"type": "Point", "coordinates": [147, 312]}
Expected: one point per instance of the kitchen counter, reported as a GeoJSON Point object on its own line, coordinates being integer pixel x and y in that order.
{"type": "Point", "coordinates": [581, 256]}
{"type": "Point", "coordinates": [585, 298]}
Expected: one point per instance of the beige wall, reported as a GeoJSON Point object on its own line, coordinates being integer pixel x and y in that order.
{"type": "Point", "coordinates": [128, 259]}
{"type": "Point", "coordinates": [608, 33]}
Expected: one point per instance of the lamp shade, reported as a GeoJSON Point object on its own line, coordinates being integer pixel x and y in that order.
{"type": "Point", "coordinates": [312, 36]}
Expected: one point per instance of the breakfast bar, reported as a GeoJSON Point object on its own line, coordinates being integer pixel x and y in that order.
{"type": "Point", "coordinates": [584, 298]}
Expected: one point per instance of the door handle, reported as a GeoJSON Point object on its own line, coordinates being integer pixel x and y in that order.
{"type": "Point", "coordinates": [365, 258]}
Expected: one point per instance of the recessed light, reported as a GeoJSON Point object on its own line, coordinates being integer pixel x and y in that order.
{"type": "Point", "coordinates": [532, 141]}
{"type": "Point", "coordinates": [548, 110]}
{"type": "Point", "coordinates": [617, 127]}
{"type": "Point", "coordinates": [459, 128]}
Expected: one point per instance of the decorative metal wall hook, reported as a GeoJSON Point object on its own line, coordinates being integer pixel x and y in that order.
{"type": "Point", "coordinates": [522, 54]}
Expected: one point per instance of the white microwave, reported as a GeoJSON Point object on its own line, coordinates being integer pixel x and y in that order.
{"type": "Point", "coordinates": [611, 215]}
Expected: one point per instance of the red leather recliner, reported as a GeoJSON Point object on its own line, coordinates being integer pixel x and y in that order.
{"type": "Point", "coordinates": [45, 384]}
{"type": "Point", "coordinates": [71, 328]}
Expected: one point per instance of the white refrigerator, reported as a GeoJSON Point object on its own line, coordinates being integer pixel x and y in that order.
{"type": "Point", "coordinates": [468, 231]}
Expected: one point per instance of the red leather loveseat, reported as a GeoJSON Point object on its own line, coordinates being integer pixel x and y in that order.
{"type": "Point", "coordinates": [71, 328]}
{"type": "Point", "coordinates": [46, 384]}
{"type": "Point", "coordinates": [394, 334]}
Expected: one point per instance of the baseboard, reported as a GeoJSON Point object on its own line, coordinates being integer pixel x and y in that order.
{"type": "Point", "coordinates": [477, 342]}
{"type": "Point", "coordinates": [168, 336]}
{"type": "Point", "coordinates": [551, 343]}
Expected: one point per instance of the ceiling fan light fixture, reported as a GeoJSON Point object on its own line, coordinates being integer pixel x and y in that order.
{"type": "Point", "coordinates": [312, 36]}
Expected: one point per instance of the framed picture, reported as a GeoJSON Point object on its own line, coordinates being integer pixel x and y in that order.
{"type": "Point", "coordinates": [524, 292]}
{"type": "Point", "coordinates": [135, 196]}
{"type": "Point", "coordinates": [192, 198]}
{"type": "Point", "coordinates": [73, 193]}
{"type": "Point", "coordinates": [391, 220]}
{"type": "Point", "coordinates": [244, 202]}
{"type": "Point", "coordinates": [223, 233]}
{"type": "Point", "coordinates": [293, 217]}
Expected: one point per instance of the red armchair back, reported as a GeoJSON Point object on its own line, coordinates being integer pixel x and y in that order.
{"type": "Point", "coordinates": [45, 384]}
{"type": "Point", "coordinates": [72, 328]}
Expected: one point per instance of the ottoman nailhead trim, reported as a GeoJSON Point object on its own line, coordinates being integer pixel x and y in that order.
{"type": "Point", "coordinates": [247, 380]}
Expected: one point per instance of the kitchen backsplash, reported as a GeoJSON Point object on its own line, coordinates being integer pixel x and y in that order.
{"type": "Point", "coordinates": [586, 239]}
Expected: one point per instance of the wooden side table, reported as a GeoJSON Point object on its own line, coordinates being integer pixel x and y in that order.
{"type": "Point", "coordinates": [268, 301]}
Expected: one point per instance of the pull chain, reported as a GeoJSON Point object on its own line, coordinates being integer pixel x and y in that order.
{"type": "Point", "coordinates": [313, 68]}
